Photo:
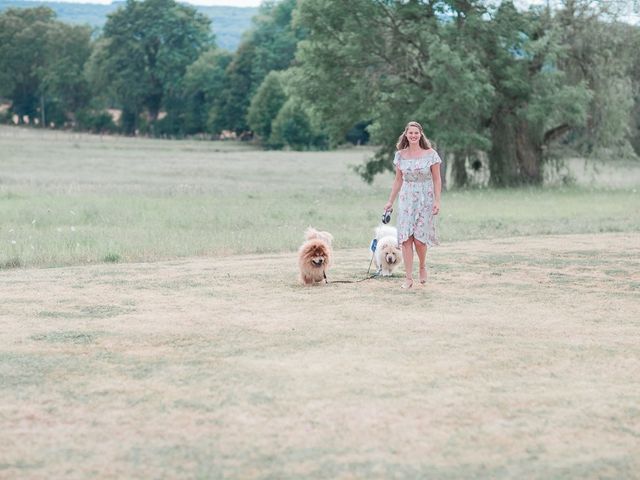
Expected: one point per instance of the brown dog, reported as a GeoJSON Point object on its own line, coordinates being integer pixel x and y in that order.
{"type": "Point", "coordinates": [314, 256]}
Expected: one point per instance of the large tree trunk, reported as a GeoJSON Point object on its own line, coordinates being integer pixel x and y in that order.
{"type": "Point", "coordinates": [129, 121]}
{"type": "Point", "coordinates": [443, 167]}
{"type": "Point", "coordinates": [154, 107]}
{"type": "Point", "coordinates": [529, 155]}
{"type": "Point", "coordinates": [515, 157]}
{"type": "Point", "coordinates": [459, 170]}
{"type": "Point", "coordinates": [502, 158]}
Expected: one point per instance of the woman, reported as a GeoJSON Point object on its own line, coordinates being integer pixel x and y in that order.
{"type": "Point", "coordinates": [418, 181]}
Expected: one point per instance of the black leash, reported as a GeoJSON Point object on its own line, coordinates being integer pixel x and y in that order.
{"type": "Point", "coordinates": [368, 277]}
{"type": "Point", "coordinates": [324, 274]}
{"type": "Point", "coordinates": [354, 281]}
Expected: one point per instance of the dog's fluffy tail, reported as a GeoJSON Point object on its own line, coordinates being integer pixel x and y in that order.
{"type": "Point", "coordinates": [385, 231]}
{"type": "Point", "coordinates": [312, 233]}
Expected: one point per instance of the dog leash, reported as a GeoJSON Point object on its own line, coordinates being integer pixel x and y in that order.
{"type": "Point", "coordinates": [370, 262]}
{"type": "Point", "coordinates": [374, 245]}
{"type": "Point", "coordinates": [352, 281]}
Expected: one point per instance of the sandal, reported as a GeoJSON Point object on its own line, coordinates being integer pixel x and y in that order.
{"type": "Point", "coordinates": [407, 284]}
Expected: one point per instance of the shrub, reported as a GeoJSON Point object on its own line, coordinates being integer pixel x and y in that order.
{"type": "Point", "coordinates": [95, 121]}
{"type": "Point", "coordinates": [111, 258]}
{"type": "Point", "coordinates": [293, 128]}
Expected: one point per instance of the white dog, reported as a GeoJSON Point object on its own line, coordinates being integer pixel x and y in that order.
{"type": "Point", "coordinates": [387, 253]}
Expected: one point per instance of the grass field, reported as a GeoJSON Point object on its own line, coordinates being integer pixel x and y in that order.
{"type": "Point", "coordinates": [73, 199]}
{"type": "Point", "coordinates": [172, 340]}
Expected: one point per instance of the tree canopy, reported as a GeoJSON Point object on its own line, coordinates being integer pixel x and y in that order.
{"type": "Point", "coordinates": [476, 77]}
{"type": "Point", "coordinates": [270, 45]}
{"type": "Point", "coordinates": [145, 51]}
{"type": "Point", "coordinates": [41, 63]}
{"type": "Point", "coordinates": [518, 87]}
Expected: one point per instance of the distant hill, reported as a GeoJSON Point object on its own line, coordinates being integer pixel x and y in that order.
{"type": "Point", "coordinates": [228, 23]}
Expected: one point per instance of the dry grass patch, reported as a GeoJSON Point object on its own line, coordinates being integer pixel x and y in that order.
{"type": "Point", "coordinates": [519, 359]}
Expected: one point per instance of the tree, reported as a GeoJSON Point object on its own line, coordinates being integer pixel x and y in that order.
{"type": "Point", "coordinates": [230, 112]}
{"type": "Point", "coordinates": [339, 72]}
{"type": "Point", "coordinates": [390, 62]}
{"type": "Point", "coordinates": [476, 77]}
{"type": "Point", "coordinates": [536, 102]}
{"type": "Point", "coordinates": [146, 49]}
{"type": "Point", "coordinates": [270, 45]}
{"type": "Point", "coordinates": [203, 87]}
{"type": "Point", "coordinates": [602, 55]}
{"type": "Point", "coordinates": [22, 55]}
{"type": "Point", "coordinates": [293, 128]}
{"type": "Point", "coordinates": [274, 39]}
{"type": "Point", "coordinates": [265, 105]}
{"type": "Point", "coordinates": [41, 64]}
{"type": "Point", "coordinates": [634, 45]}
{"type": "Point", "coordinates": [63, 83]}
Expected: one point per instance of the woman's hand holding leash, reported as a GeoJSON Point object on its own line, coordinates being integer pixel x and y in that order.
{"type": "Point", "coordinates": [436, 208]}
{"type": "Point", "coordinates": [386, 216]}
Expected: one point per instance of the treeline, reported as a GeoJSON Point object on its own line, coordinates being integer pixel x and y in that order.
{"type": "Point", "coordinates": [520, 87]}
{"type": "Point", "coordinates": [156, 65]}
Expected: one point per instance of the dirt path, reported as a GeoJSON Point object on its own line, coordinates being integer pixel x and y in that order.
{"type": "Point", "coordinates": [519, 359]}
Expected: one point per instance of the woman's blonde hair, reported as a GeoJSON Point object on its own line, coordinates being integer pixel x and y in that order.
{"type": "Point", "coordinates": [403, 141]}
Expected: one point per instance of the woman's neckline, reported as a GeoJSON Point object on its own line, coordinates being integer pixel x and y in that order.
{"type": "Point", "coordinates": [426, 152]}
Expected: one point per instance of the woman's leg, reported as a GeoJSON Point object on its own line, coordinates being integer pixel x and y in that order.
{"type": "Point", "coordinates": [407, 255]}
{"type": "Point", "coordinates": [421, 250]}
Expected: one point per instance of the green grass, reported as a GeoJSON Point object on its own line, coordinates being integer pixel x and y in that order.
{"type": "Point", "coordinates": [70, 199]}
{"type": "Point", "coordinates": [64, 337]}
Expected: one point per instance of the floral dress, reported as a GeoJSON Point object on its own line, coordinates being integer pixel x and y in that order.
{"type": "Point", "coordinates": [416, 198]}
